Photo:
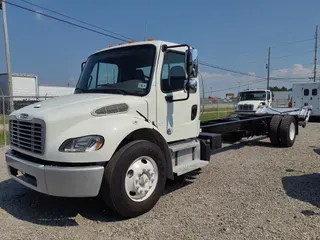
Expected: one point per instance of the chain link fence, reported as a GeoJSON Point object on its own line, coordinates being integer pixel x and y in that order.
{"type": "Point", "coordinates": [210, 109]}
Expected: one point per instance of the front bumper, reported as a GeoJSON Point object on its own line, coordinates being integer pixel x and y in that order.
{"type": "Point", "coordinates": [61, 181]}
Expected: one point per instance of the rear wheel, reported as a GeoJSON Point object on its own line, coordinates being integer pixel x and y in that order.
{"type": "Point", "coordinates": [287, 131]}
{"type": "Point", "coordinates": [273, 130]}
{"type": "Point", "coordinates": [134, 179]}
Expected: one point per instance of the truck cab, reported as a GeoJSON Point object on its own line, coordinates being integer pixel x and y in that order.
{"type": "Point", "coordinates": [132, 123]}
{"type": "Point", "coordinates": [250, 100]}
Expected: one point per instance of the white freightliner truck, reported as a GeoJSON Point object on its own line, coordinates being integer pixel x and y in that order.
{"type": "Point", "coordinates": [250, 100]}
{"type": "Point", "coordinates": [131, 124]}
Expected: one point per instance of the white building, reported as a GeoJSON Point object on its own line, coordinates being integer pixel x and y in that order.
{"type": "Point", "coordinates": [53, 91]}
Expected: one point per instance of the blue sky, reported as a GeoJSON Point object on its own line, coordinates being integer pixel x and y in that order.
{"type": "Point", "coordinates": [231, 33]}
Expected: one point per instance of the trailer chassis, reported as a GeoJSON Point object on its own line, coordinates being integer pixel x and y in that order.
{"type": "Point", "coordinates": [281, 125]}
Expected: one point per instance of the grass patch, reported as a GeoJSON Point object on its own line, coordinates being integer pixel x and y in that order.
{"type": "Point", "coordinates": [6, 119]}
{"type": "Point", "coordinates": [216, 109]}
{"type": "Point", "coordinates": [214, 115]}
{"type": "Point", "coordinates": [2, 138]}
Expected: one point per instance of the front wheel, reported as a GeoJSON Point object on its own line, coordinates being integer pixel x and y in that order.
{"type": "Point", "coordinates": [134, 179]}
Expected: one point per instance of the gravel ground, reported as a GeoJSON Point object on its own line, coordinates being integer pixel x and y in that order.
{"type": "Point", "coordinates": [249, 190]}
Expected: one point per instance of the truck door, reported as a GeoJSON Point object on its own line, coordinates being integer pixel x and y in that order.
{"type": "Point", "coordinates": [269, 99]}
{"type": "Point", "coordinates": [314, 100]}
{"type": "Point", "coordinates": [176, 120]}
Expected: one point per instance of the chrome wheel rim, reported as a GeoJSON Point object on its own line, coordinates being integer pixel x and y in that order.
{"type": "Point", "coordinates": [141, 178]}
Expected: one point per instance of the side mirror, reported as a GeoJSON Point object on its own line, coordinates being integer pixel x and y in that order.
{"type": "Point", "coordinates": [192, 86]}
{"type": "Point", "coordinates": [82, 66]}
{"type": "Point", "coordinates": [192, 63]}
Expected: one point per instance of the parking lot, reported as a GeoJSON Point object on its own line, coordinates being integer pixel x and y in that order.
{"type": "Point", "coordinates": [250, 190]}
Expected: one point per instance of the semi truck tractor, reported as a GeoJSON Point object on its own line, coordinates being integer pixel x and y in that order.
{"type": "Point", "coordinates": [131, 124]}
{"type": "Point", "coordinates": [250, 100]}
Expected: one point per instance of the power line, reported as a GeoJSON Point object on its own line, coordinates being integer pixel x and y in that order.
{"type": "Point", "coordinates": [273, 46]}
{"type": "Point", "coordinates": [86, 23]}
{"type": "Point", "coordinates": [287, 78]}
{"type": "Point", "coordinates": [292, 43]}
{"type": "Point", "coordinates": [251, 83]}
{"type": "Point", "coordinates": [64, 21]}
{"type": "Point", "coordinates": [225, 89]}
{"type": "Point", "coordinates": [108, 35]}
{"type": "Point", "coordinates": [290, 79]}
{"type": "Point", "coordinates": [299, 54]}
{"type": "Point", "coordinates": [228, 70]}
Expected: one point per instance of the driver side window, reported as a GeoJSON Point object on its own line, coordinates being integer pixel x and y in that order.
{"type": "Point", "coordinates": [173, 73]}
{"type": "Point", "coordinates": [268, 96]}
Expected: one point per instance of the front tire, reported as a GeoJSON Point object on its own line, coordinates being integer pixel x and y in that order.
{"type": "Point", "coordinates": [134, 179]}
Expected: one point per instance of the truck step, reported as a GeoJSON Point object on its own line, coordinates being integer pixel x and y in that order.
{"type": "Point", "coordinates": [176, 147]}
{"type": "Point", "coordinates": [190, 166]}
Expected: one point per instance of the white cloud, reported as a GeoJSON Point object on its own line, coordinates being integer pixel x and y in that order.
{"type": "Point", "coordinates": [297, 70]}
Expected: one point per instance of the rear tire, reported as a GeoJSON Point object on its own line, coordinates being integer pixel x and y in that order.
{"type": "Point", "coordinates": [287, 131]}
{"type": "Point", "coordinates": [273, 130]}
{"type": "Point", "coordinates": [134, 179]}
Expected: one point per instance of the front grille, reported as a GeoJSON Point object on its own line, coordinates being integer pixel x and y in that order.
{"type": "Point", "coordinates": [27, 135]}
{"type": "Point", "coordinates": [246, 107]}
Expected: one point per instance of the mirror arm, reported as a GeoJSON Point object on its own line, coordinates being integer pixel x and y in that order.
{"type": "Point", "coordinates": [188, 80]}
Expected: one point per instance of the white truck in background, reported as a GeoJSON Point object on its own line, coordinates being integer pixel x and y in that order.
{"type": "Point", "coordinates": [131, 124]}
{"type": "Point", "coordinates": [24, 90]}
{"type": "Point", "coordinates": [24, 86]}
{"type": "Point", "coordinates": [250, 100]}
{"type": "Point", "coordinates": [307, 94]}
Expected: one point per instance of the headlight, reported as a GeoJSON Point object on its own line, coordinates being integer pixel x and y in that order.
{"type": "Point", "coordinates": [82, 144]}
{"type": "Point", "coordinates": [235, 106]}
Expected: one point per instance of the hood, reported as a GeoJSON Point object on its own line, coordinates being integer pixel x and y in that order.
{"type": "Point", "coordinates": [80, 106]}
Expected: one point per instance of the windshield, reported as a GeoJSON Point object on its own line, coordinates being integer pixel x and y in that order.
{"type": "Point", "coordinates": [124, 70]}
{"type": "Point", "coordinates": [252, 95]}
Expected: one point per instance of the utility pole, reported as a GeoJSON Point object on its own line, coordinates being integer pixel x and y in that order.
{"type": "Point", "coordinates": [268, 68]}
{"type": "Point", "coordinates": [6, 43]}
{"type": "Point", "coordinates": [315, 55]}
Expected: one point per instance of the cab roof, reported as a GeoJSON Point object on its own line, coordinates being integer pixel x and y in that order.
{"type": "Point", "coordinates": [156, 43]}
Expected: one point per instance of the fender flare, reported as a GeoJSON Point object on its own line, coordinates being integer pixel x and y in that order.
{"type": "Point", "coordinates": [152, 135]}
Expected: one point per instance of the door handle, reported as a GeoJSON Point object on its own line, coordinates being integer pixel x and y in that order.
{"type": "Point", "coordinates": [194, 110]}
